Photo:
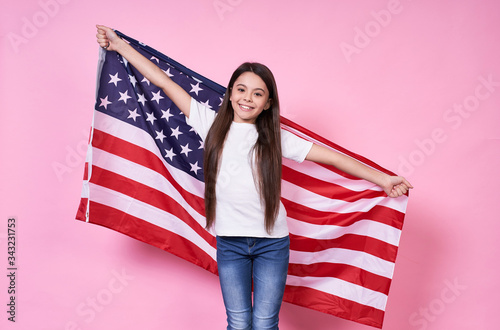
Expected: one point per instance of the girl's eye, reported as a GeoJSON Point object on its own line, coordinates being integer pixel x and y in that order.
{"type": "Point", "coordinates": [258, 94]}
{"type": "Point", "coordinates": [241, 90]}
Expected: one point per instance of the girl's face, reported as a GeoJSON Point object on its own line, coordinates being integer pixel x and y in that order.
{"type": "Point", "coordinates": [249, 97]}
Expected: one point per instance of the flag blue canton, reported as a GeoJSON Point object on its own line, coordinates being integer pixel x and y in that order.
{"type": "Point", "coordinates": [128, 96]}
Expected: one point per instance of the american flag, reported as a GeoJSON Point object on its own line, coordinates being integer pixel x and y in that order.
{"type": "Point", "coordinates": [144, 178]}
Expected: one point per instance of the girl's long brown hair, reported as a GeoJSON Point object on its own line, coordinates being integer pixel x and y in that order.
{"type": "Point", "coordinates": [267, 149]}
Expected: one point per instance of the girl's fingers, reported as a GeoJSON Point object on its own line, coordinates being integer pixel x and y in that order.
{"type": "Point", "coordinates": [408, 184]}
{"type": "Point", "coordinates": [400, 186]}
{"type": "Point", "coordinates": [398, 190]}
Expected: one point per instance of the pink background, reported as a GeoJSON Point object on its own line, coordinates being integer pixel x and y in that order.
{"type": "Point", "coordinates": [406, 92]}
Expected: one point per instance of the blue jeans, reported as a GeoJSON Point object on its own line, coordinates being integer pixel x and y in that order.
{"type": "Point", "coordinates": [263, 260]}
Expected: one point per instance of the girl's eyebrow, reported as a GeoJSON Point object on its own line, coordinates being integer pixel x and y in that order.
{"type": "Point", "coordinates": [240, 84]}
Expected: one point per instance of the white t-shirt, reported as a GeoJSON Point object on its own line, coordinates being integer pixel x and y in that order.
{"type": "Point", "coordinates": [239, 211]}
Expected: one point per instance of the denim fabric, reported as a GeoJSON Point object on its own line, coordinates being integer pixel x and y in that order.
{"type": "Point", "coordinates": [263, 260]}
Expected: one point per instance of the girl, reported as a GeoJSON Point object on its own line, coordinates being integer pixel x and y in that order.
{"type": "Point", "coordinates": [245, 139]}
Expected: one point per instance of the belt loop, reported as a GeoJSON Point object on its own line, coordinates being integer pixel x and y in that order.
{"type": "Point", "coordinates": [251, 241]}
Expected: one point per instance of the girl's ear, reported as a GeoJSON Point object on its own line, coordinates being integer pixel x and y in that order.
{"type": "Point", "coordinates": [268, 104]}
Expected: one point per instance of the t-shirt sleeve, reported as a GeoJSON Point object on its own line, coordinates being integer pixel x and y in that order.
{"type": "Point", "coordinates": [200, 118]}
{"type": "Point", "coordinates": [294, 147]}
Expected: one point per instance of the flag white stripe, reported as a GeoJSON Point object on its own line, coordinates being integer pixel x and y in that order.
{"type": "Point", "coordinates": [358, 259]}
{"type": "Point", "coordinates": [342, 289]}
{"type": "Point", "coordinates": [368, 228]}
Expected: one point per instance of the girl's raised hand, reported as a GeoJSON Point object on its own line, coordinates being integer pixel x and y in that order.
{"type": "Point", "coordinates": [396, 186]}
{"type": "Point", "coordinates": [107, 38]}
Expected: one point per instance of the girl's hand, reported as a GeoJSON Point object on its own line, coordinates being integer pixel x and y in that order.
{"type": "Point", "coordinates": [396, 186]}
{"type": "Point", "coordinates": [107, 38]}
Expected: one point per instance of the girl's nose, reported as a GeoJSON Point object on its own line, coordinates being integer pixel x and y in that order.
{"type": "Point", "coordinates": [248, 98]}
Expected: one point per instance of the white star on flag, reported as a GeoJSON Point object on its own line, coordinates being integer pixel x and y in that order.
{"type": "Point", "coordinates": [206, 104]}
{"type": "Point", "coordinates": [167, 72]}
{"type": "Point", "coordinates": [142, 99]}
{"type": "Point", "coordinates": [176, 132]}
{"type": "Point", "coordinates": [195, 88]}
{"type": "Point", "coordinates": [160, 136]}
{"type": "Point", "coordinates": [157, 97]}
{"type": "Point", "coordinates": [133, 114]}
{"type": "Point", "coordinates": [166, 114]}
{"type": "Point", "coordinates": [151, 117]}
{"type": "Point", "coordinates": [124, 97]}
{"type": "Point", "coordinates": [114, 79]}
{"type": "Point", "coordinates": [105, 102]}
{"type": "Point", "coordinates": [170, 153]}
{"type": "Point", "coordinates": [185, 149]}
{"type": "Point", "coordinates": [195, 168]}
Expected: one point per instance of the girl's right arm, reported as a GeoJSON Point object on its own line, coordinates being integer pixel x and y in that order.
{"type": "Point", "coordinates": [394, 186]}
{"type": "Point", "coordinates": [106, 37]}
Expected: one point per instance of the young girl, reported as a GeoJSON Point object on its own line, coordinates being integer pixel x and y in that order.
{"type": "Point", "coordinates": [249, 220]}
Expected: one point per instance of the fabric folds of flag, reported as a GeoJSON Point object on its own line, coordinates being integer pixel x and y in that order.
{"type": "Point", "coordinates": [144, 178]}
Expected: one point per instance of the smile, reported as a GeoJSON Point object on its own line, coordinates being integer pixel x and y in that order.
{"type": "Point", "coordinates": [245, 108]}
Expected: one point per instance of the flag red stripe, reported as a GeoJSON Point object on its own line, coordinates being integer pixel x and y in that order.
{"type": "Point", "coordinates": [146, 158]}
{"type": "Point", "coordinates": [147, 195]}
{"type": "Point", "coordinates": [378, 213]}
{"type": "Point", "coordinates": [354, 242]}
{"type": "Point", "coordinates": [82, 209]}
{"type": "Point", "coordinates": [86, 172]}
{"type": "Point", "coordinates": [327, 189]}
{"type": "Point", "coordinates": [144, 231]}
{"type": "Point", "coordinates": [344, 272]}
{"type": "Point", "coordinates": [330, 304]}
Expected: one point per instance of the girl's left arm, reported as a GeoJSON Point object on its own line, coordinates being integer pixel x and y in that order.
{"type": "Point", "coordinates": [394, 186]}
